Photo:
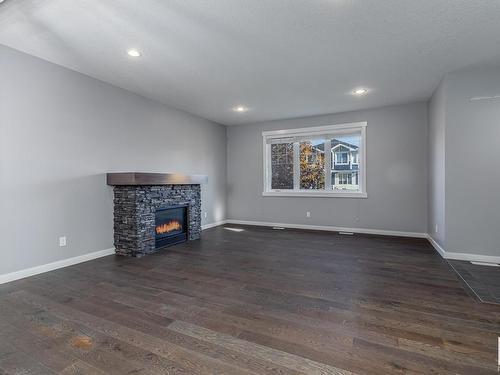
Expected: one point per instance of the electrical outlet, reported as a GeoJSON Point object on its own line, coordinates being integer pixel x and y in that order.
{"type": "Point", "coordinates": [436, 229]}
{"type": "Point", "coordinates": [205, 215]}
{"type": "Point", "coordinates": [62, 241]}
{"type": "Point", "coordinates": [308, 214]}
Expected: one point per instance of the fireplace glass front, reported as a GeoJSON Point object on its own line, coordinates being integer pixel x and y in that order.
{"type": "Point", "coordinates": [171, 225]}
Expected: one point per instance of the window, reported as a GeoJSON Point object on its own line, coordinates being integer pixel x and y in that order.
{"type": "Point", "coordinates": [344, 181]}
{"type": "Point", "coordinates": [317, 161]}
{"type": "Point", "coordinates": [341, 157]}
{"type": "Point", "coordinates": [354, 156]}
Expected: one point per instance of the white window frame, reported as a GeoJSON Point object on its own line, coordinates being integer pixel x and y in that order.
{"type": "Point", "coordinates": [329, 132]}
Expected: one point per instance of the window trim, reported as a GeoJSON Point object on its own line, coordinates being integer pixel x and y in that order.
{"type": "Point", "coordinates": [346, 128]}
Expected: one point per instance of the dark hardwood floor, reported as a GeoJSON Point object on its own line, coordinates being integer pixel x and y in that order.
{"type": "Point", "coordinates": [257, 301]}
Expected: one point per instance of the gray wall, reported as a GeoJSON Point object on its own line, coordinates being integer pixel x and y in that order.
{"type": "Point", "coordinates": [437, 124]}
{"type": "Point", "coordinates": [473, 162]}
{"type": "Point", "coordinates": [60, 132]}
{"type": "Point", "coordinates": [396, 175]}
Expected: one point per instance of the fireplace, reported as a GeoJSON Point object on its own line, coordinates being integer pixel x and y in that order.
{"type": "Point", "coordinates": [154, 210]}
{"type": "Point", "coordinates": [171, 225]}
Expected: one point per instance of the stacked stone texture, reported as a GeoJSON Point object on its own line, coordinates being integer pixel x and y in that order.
{"type": "Point", "coordinates": [134, 215]}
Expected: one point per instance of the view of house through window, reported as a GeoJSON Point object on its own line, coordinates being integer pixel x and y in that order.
{"type": "Point", "coordinates": [328, 162]}
{"type": "Point", "coordinates": [345, 161]}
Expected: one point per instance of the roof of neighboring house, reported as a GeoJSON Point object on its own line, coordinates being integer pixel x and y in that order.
{"type": "Point", "coordinates": [336, 142]}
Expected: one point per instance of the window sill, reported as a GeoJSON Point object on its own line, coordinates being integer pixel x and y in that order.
{"type": "Point", "coordinates": [315, 194]}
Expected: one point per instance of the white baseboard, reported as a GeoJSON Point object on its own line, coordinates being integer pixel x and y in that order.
{"type": "Point", "coordinates": [473, 257]}
{"type": "Point", "coordinates": [436, 246]}
{"type": "Point", "coordinates": [214, 224]}
{"type": "Point", "coordinates": [469, 257]}
{"type": "Point", "coordinates": [486, 264]}
{"type": "Point", "coordinates": [329, 229]}
{"type": "Point", "coordinates": [8, 277]}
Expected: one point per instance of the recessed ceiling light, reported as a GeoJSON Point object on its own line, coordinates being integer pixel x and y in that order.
{"type": "Point", "coordinates": [240, 108]}
{"type": "Point", "coordinates": [134, 53]}
{"type": "Point", "coordinates": [360, 92]}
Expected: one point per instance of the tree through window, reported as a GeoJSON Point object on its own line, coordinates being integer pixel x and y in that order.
{"type": "Point", "coordinates": [312, 165]}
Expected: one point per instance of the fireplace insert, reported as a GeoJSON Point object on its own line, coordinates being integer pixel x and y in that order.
{"type": "Point", "coordinates": [171, 225]}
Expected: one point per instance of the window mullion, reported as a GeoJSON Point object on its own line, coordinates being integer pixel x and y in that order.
{"type": "Point", "coordinates": [267, 166]}
{"type": "Point", "coordinates": [296, 166]}
{"type": "Point", "coordinates": [328, 164]}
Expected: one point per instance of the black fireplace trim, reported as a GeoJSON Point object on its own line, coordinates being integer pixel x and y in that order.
{"type": "Point", "coordinates": [161, 243]}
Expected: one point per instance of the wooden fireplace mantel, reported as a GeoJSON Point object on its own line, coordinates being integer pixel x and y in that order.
{"type": "Point", "coordinates": [141, 178]}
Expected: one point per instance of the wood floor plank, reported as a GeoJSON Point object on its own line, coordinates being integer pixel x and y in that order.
{"type": "Point", "coordinates": [17, 362]}
{"type": "Point", "coordinates": [281, 358]}
{"type": "Point", "coordinates": [81, 368]}
{"type": "Point", "coordinates": [40, 350]}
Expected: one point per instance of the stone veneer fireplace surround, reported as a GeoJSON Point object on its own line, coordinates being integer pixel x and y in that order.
{"type": "Point", "coordinates": [138, 196]}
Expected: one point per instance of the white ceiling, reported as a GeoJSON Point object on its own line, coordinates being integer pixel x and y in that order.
{"type": "Point", "coordinates": [281, 58]}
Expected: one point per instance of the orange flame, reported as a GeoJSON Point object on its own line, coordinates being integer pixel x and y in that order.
{"type": "Point", "coordinates": [168, 227]}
